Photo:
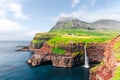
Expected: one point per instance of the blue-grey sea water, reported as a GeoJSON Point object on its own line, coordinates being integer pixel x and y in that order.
{"type": "Point", "coordinates": [13, 66]}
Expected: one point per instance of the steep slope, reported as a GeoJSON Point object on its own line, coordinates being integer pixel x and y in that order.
{"type": "Point", "coordinates": [72, 23]}
{"type": "Point", "coordinates": [63, 45]}
{"type": "Point", "coordinates": [105, 24]}
{"type": "Point", "coordinates": [106, 70]}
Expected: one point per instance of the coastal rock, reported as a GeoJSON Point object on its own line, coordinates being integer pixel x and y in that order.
{"type": "Point", "coordinates": [66, 61]}
{"type": "Point", "coordinates": [96, 51]}
{"type": "Point", "coordinates": [29, 61]}
{"type": "Point", "coordinates": [24, 48]}
{"type": "Point", "coordinates": [95, 54]}
{"type": "Point", "coordinates": [57, 60]}
{"type": "Point", "coordinates": [106, 70]}
{"type": "Point", "coordinates": [37, 59]}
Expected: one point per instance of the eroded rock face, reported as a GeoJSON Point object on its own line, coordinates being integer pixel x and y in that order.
{"type": "Point", "coordinates": [40, 56]}
{"type": "Point", "coordinates": [105, 71]}
{"type": "Point", "coordinates": [95, 54]}
{"type": "Point", "coordinates": [66, 61]}
{"type": "Point", "coordinates": [57, 60]}
{"type": "Point", "coordinates": [96, 51]}
{"type": "Point", "coordinates": [37, 59]}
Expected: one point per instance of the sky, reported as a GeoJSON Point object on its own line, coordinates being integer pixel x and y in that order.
{"type": "Point", "coordinates": [21, 19]}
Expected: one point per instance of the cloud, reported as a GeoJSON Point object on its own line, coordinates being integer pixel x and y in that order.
{"type": "Point", "coordinates": [74, 3]}
{"type": "Point", "coordinates": [16, 8]}
{"type": "Point", "coordinates": [84, 4]}
{"type": "Point", "coordinates": [91, 16]}
{"type": "Point", "coordinates": [11, 30]}
{"type": "Point", "coordinates": [8, 26]}
{"type": "Point", "coordinates": [2, 13]}
{"type": "Point", "coordinates": [93, 2]}
{"type": "Point", "coordinates": [31, 33]}
{"type": "Point", "coordinates": [84, 12]}
{"type": "Point", "coordinates": [87, 4]}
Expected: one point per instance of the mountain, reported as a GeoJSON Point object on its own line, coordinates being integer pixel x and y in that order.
{"type": "Point", "coordinates": [105, 24]}
{"type": "Point", "coordinates": [72, 23]}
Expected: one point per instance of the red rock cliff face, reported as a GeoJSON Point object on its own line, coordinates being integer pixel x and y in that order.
{"type": "Point", "coordinates": [105, 71]}
{"type": "Point", "coordinates": [94, 50]}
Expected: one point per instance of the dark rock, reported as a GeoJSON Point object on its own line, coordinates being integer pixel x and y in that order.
{"type": "Point", "coordinates": [94, 50]}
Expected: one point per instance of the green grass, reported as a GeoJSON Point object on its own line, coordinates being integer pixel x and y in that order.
{"type": "Point", "coordinates": [116, 49]}
{"type": "Point", "coordinates": [80, 35]}
{"type": "Point", "coordinates": [117, 46]}
{"type": "Point", "coordinates": [116, 74]}
{"type": "Point", "coordinates": [65, 36]}
{"type": "Point", "coordinates": [58, 51]}
{"type": "Point", "coordinates": [77, 53]}
{"type": "Point", "coordinates": [85, 32]}
{"type": "Point", "coordinates": [85, 36]}
{"type": "Point", "coordinates": [94, 68]}
{"type": "Point", "coordinates": [44, 35]}
{"type": "Point", "coordinates": [117, 55]}
{"type": "Point", "coordinates": [64, 40]}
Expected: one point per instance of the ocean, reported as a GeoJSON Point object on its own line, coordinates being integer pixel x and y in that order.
{"type": "Point", "coordinates": [13, 66]}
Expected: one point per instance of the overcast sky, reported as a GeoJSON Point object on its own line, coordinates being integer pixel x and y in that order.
{"type": "Point", "coordinates": [21, 19]}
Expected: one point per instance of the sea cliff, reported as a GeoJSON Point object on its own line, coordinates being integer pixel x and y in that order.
{"type": "Point", "coordinates": [106, 70]}
{"type": "Point", "coordinates": [73, 54]}
{"type": "Point", "coordinates": [63, 46]}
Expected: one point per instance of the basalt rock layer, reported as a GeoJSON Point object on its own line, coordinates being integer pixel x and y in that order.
{"type": "Point", "coordinates": [43, 55]}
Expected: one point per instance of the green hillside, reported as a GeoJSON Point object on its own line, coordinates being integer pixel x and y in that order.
{"type": "Point", "coordinates": [73, 23]}
{"type": "Point", "coordinates": [73, 30]}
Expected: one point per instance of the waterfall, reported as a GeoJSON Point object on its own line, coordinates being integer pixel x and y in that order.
{"type": "Point", "coordinates": [86, 62]}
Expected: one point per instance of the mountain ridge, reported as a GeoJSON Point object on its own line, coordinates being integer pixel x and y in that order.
{"type": "Point", "coordinates": [71, 23]}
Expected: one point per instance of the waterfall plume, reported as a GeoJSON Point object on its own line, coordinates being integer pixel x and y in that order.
{"type": "Point", "coordinates": [86, 62]}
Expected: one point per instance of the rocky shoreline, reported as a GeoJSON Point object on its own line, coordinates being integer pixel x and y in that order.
{"type": "Point", "coordinates": [44, 55]}
{"type": "Point", "coordinates": [57, 60]}
{"type": "Point", "coordinates": [97, 52]}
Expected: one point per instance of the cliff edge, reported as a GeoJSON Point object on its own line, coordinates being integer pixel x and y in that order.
{"type": "Point", "coordinates": [63, 46]}
{"type": "Point", "coordinates": [106, 70]}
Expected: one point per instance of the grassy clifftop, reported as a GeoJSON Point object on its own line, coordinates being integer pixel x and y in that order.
{"type": "Point", "coordinates": [63, 37]}
{"type": "Point", "coordinates": [81, 35]}
{"type": "Point", "coordinates": [70, 30]}
{"type": "Point", "coordinates": [116, 75]}
{"type": "Point", "coordinates": [74, 31]}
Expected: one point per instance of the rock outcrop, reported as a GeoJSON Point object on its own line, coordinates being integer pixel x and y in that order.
{"type": "Point", "coordinates": [45, 55]}
{"type": "Point", "coordinates": [105, 71]}
{"type": "Point", "coordinates": [39, 39]}
{"type": "Point", "coordinates": [94, 50]}
{"type": "Point", "coordinates": [66, 61]}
